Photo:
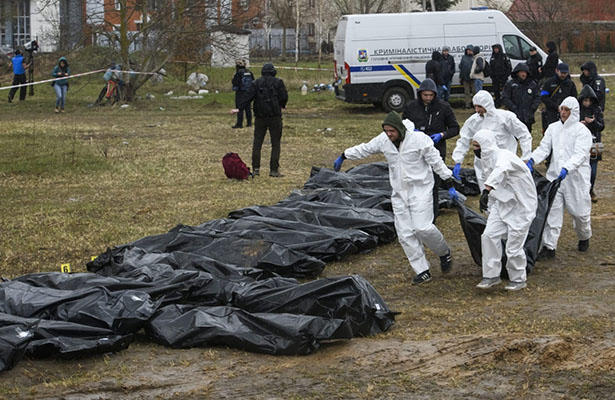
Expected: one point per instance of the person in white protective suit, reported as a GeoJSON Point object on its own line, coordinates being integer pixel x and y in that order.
{"type": "Point", "coordinates": [570, 141]}
{"type": "Point", "coordinates": [505, 125]}
{"type": "Point", "coordinates": [510, 195]}
{"type": "Point", "coordinates": [411, 156]}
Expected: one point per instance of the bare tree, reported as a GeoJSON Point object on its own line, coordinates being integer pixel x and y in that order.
{"type": "Point", "coordinates": [283, 12]}
{"type": "Point", "coordinates": [365, 6]}
{"type": "Point", "coordinates": [547, 19]}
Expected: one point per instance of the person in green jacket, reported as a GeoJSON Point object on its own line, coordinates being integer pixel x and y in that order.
{"type": "Point", "coordinates": [60, 86]}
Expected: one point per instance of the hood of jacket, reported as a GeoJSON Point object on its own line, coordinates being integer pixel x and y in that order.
{"type": "Point", "coordinates": [520, 67]}
{"type": "Point", "coordinates": [394, 119]}
{"type": "Point", "coordinates": [483, 98]}
{"type": "Point", "coordinates": [500, 52]}
{"type": "Point", "coordinates": [62, 59]}
{"type": "Point", "coordinates": [468, 47]}
{"type": "Point", "coordinates": [591, 67]}
{"type": "Point", "coordinates": [573, 104]}
{"type": "Point", "coordinates": [488, 145]}
{"type": "Point", "coordinates": [268, 70]}
{"type": "Point", "coordinates": [476, 50]}
{"type": "Point", "coordinates": [428, 84]}
{"type": "Point", "coordinates": [436, 56]}
{"type": "Point", "coordinates": [588, 92]}
{"type": "Point", "coordinates": [551, 46]}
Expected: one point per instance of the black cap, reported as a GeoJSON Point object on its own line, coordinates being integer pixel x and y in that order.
{"type": "Point", "coordinates": [532, 48]}
{"type": "Point", "coordinates": [17, 52]}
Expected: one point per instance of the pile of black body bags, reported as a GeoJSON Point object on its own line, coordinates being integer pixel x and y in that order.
{"type": "Point", "coordinates": [229, 282]}
{"type": "Point", "coordinates": [233, 281]}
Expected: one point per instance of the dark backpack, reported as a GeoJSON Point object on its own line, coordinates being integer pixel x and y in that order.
{"type": "Point", "coordinates": [246, 81]}
{"type": "Point", "coordinates": [266, 101]}
{"type": "Point", "coordinates": [486, 68]}
{"type": "Point", "coordinates": [234, 168]}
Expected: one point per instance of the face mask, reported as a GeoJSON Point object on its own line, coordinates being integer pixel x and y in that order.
{"type": "Point", "coordinates": [477, 152]}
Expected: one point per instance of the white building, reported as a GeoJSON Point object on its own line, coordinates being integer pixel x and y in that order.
{"type": "Point", "coordinates": [24, 20]}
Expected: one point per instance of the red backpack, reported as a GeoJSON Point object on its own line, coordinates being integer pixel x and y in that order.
{"type": "Point", "coordinates": [234, 168]}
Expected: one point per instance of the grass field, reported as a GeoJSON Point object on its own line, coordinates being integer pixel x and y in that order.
{"type": "Point", "coordinates": [73, 184]}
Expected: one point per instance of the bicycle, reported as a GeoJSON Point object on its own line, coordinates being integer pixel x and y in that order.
{"type": "Point", "coordinates": [113, 92]}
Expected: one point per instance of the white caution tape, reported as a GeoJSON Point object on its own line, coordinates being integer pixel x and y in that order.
{"type": "Point", "coordinates": [75, 76]}
{"type": "Point", "coordinates": [306, 69]}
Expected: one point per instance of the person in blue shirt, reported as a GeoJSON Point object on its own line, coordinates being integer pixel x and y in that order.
{"type": "Point", "coordinates": [19, 78]}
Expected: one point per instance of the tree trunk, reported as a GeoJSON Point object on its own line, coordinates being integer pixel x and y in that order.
{"type": "Point", "coordinates": [433, 5]}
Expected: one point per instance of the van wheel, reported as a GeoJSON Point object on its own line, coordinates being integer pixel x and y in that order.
{"type": "Point", "coordinates": [395, 99]}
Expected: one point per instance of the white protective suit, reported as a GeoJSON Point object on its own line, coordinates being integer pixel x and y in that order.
{"type": "Point", "coordinates": [512, 207]}
{"type": "Point", "coordinates": [570, 143]}
{"type": "Point", "coordinates": [505, 125]}
{"type": "Point", "coordinates": [411, 177]}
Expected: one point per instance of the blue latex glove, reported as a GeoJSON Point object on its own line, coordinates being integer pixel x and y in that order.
{"type": "Point", "coordinates": [530, 164]}
{"type": "Point", "coordinates": [444, 87]}
{"type": "Point", "coordinates": [456, 171]}
{"type": "Point", "coordinates": [436, 137]}
{"type": "Point", "coordinates": [337, 165]}
{"type": "Point", "coordinates": [452, 193]}
{"type": "Point", "coordinates": [563, 173]}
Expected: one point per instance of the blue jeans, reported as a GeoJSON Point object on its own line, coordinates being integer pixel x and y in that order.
{"type": "Point", "coordinates": [478, 85]}
{"type": "Point", "coordinates": [593, 164]}
{"type": "Point", "coordinates": [60, 95]}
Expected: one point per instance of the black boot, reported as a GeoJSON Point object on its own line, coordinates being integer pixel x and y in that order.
{"type": "Point", "coordinates": [545, 254]}
{"type": "Point", "coordinates": [583, 245]}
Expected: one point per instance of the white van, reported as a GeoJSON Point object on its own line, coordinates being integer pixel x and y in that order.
{"type": "Point", "coordinates": [380, 58]}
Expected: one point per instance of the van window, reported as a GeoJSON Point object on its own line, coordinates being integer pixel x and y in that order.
{"type": "Point", "coordinates": [516, 47]}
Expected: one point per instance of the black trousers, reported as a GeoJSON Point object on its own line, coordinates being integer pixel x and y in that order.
{"type": "Point", "coordinates": [245, 109]}
{"type": "Point", "coordinates": [498, 85]}
{"type": "Point", "coordinates": [274, 124]}
{"type": "Point", "coordinates": [19, 79]}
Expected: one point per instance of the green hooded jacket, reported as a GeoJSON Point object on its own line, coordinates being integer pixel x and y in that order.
{"type": "Point", "coordinates": [57, 70]}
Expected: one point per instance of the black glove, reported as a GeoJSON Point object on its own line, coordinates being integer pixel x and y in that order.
{"type": "Point", "coordinates": [484, 201]}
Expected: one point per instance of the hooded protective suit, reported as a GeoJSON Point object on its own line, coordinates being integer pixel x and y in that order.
{"type": "Point", "coordinates": [512, 208]}
{"type": "Point", "coordinates": [570, 142]}
{"type": "Point", "coordinates": [411, 177]}
{"type": "Point", "coordinates": [503, 124]}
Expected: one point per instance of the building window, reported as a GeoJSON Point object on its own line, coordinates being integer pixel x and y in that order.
{"type": "Point", "coordinates": [311, 29]}
{"type": "Point", "coordinates": [15, 31]}
{"type": "Point", "coordinates": [117, 5]}
{"type": "Point", "coordinates": [245, 4]}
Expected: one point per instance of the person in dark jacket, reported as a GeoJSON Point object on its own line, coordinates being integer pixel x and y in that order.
{"type": "Point", "coordinates": [500, 70]}
{"type": "Point", "coordinates": [433, 70]}
{"type": "Point", "coordinates": [465, 67]}
{"type": "Point", "coordinates": [589, 76]}
{"type": "Point", "coordinates": [434, 117]}
{"type": "Point", "coordinates": [19, 76]}
{"type": "Point", "coordinates": [554, 91]}
{"type": "Point", "coordinates": [242, 80]}
{"type": "Point", "coordinates": [521, 95]}
{"type": "Point", "coordinates": [534, 62]}
{"type": "Point", "coordinates": [591, 116]}
{"type": "Point", "coordinates": [548, 69]}
{"type": "Point", "coordinates": [448, 66]}
{"type": "Point", "coordinates": [270, 97]}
